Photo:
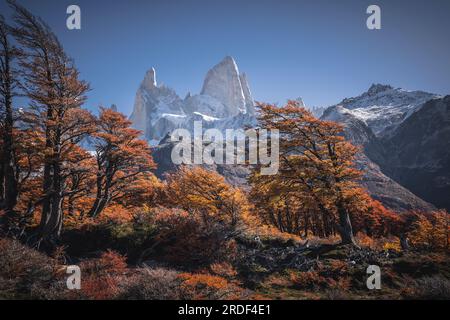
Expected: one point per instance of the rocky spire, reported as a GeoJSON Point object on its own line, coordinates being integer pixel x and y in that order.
{"type": "Point", "coordinates": [224, 83]}
{"type": "Point", "coordinates": [377, 88]}
{"type": "Point", "coordinates": [150, 79]}
{"type": "Point", "coordinates": [249, 103]}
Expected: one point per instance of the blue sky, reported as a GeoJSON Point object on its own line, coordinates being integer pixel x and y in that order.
{"type": "Point", "coordinates": [319, 50]}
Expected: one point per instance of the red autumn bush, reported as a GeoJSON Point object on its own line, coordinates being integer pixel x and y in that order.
{"type": "Point", "coordinates": [153, 284]}
{"type": "Point", "coordinates": [209, 287]}
{"type": "Point", "coordinates": [307, 280]}
{"type": "Point", "coordinates": [26, 273]}
{"type": "Point", "coordinates": [101, 276]}
{"type": "Point", "coordinates": [188, 240]}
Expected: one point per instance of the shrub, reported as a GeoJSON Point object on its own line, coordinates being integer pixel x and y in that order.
{"type": "Point", "coordinates": [209, 287]}
{"type": "Point", "coordinates": [130, 237]}
{"type": "Point", "coordinates": [185, 239]}
{"type": "Point", "coordinates": [336, 294]}
{"type": "Point", "coordinates": [223, 269]}
{"type": "Point", "coordinates": [101, 276]}
{"type": "Point", "coordinates": [24, 272]}
{"type": "Point", "coordinates": [431, 288]}
{"type": "Point", "coordinates": [307, 280]}
{"type": "Point", "coordinates": [392, 246]}
{"type": "Point", "coordinates": [153, 284]}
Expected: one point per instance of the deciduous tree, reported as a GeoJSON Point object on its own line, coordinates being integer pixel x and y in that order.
{"type": "Point", "coordinates": [206, 193]}
{"type": "Point", "coordinates": [316, 165]}
{"type": "Point", "coordinates": [56, 94]}
{"type": "Point", "coordinates": [122, 158]}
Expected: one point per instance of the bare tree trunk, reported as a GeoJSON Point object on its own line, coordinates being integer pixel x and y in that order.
{"type": "Point", "coordinates": [2, 183]}
{"type": "Point", "coordinates": [50, 229]}
{"type": "Point", "coordinates": [101, 205]}
{"type": "Point", "coordinates": [404, 242]}
{"type": "Point", "coordinates": [11, 191]}
{"type": "Point", "coordinates": [345, 226]}
{"type": "Point", "coordinates": [47, 187]}
{"type": "Point", "coordinates": [9, 182]}
{"type": "Point", "coordinates": [102, 200]}
{"type": "Point", "coordinates": [103, 194]}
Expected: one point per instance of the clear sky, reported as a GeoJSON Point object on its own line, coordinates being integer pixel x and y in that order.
{"type": "Point", "coordinates": [319, 50]}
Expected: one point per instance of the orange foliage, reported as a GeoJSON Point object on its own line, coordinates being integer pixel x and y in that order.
{"type": "Point", "coordinates": [123, 162]}
{"type": "Point", "coordinates": [307, 280]}
{"type": "Point", "coordinates": [370, 216]}
{"type": "Point", "coordinates": [430, 230]}
{"type": "Point", "coordinates": [187, 239]}
{"type": "Point", "coordinates": [108, 263]}
{"type": "Point", "coordinates": [101, 277]}
{"type": "Point", "coordinates": [223, 269]}
{"type": "Point", "coordinates": [117, 214]}
{"type": "Point", "coordinates": [205, 286]}
{"type": "Point", "coordinates": [207, 194]}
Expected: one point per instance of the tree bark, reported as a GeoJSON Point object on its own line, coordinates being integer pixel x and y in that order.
{"type": "Point", "coordinates": [9, 182]}
{"type": "Point", "coordinates": [52, 213]}
{"type": "Point", "coordinates": [11, 191]}
{"type": "Point", "coordinates": [404, 242]}
{"type": "Point", "coordinates": [345, 226]}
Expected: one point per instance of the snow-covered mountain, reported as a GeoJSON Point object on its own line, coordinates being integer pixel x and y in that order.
{"type": "Point", "coordinates": [225, 102]}
{"type": "Point", "coordinates": [380, 186]}
{"type": "Point", "coordinates": [383, 107]}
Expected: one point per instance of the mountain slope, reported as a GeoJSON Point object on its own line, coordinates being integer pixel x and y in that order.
{"type": "Point", "coordinates": [418, 152]}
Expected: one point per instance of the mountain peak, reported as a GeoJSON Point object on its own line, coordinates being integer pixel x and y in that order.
{"type": "Point", "coordinates": [228, 59]}
{"type": "Point", "coordinates": [377, 88]}
{"type": "Point", "coordinates": [150, 79]}
{"type": "Point", "coordinates": [223, 82]}
{"type": "Point", "coordinates": [383, 108]}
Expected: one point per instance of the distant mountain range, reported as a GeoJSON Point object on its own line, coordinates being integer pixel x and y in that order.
{"type": "Point", "coordinates": [405, 135]}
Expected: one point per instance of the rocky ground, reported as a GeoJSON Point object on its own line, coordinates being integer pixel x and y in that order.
{"type": "Point", "coordinates": [325, 271]}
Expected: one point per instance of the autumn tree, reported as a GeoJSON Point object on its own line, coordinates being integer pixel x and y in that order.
{"type": "Point", "coordinates": [56, 95]}
{"type": "Point", "coordinates": [426, 230]}
{"type": "Point", "coordinates": [370, 216]}
{"type": "Point", "coordinates": [8, 84]}
{"type": "Point", "coordinates": [206, 193]}
{"type": "Point", "coordinates": [79, 175]}
{"type": "Point", "coordinates": [28, 158]}
{"type": "Point", "coordinates": [316, 165]}
{"type": "Point", "coordinates": [122, 158]}
{"type": "Point", "coordinates": [281, 208]}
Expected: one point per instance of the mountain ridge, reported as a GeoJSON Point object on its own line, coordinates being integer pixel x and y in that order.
{"type": "Point", "coordinates": [383, 107]}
